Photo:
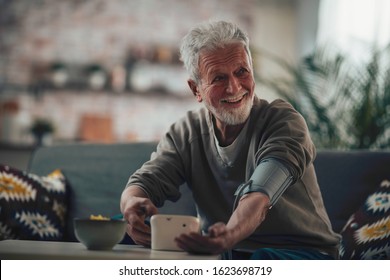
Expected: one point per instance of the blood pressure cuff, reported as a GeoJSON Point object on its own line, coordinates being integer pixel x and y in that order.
{"type": "Point", "coordinates": [270, 177]}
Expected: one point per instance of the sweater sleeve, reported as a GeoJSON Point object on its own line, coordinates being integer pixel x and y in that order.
{"type": "Point", "coordinates": [285, 137]}
{"type": "Point", "coordinates": [161, 176]}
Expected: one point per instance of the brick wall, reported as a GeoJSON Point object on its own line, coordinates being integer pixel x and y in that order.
{"type": "Point", "coordinates": [99, 31]}
{"type": "Point", "coordinates": [36, 33]}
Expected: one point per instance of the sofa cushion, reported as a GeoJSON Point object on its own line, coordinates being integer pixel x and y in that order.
{"type": "Point", "coordinates": [32, 207]}
{"type": "Point", "coordinates": [367, 233]}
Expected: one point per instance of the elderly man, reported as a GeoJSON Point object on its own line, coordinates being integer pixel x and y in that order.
{"type": "Point", "coordinates": [248, 162]}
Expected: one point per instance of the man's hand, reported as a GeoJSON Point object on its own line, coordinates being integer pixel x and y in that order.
{"type": "Point", "coordinates": [215, 242]}
{"type": "Point", "coordinates": [136, 208]}
{"type": "Point", "coordinates": [250, 213]}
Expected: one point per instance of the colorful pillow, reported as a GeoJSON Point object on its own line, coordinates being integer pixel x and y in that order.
{"type": "Point", "coordinates": [367, 232]}
{"type": "Point", "coordinates": [32, 207]}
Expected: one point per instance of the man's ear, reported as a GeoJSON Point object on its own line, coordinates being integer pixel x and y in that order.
{"type": "Point", "coordinates": [194, 88]}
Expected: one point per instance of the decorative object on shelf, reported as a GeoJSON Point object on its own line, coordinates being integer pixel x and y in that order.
{"type": "Point", "coordinates": [163, 54]}
{"type": "Point", "coordinates": [11, 120]}
{"type": "Point", "coordinates": [155, 77]}
{"type": "Point", "coordinates": [59, 74]}
{"type": "Point", "coordinates": [118, 78]}
{"type": "Point", "coordinates": [96, 128]}
{"type": "Point", "coordinates": [97, 77]}
{"type": "Point", "coordinates": [41, 129]}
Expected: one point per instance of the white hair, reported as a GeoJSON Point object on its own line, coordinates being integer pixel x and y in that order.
{"type": "Point", "coordinates": [210, 36]}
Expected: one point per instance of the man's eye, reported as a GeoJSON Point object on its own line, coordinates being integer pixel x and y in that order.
{"type": "Point", "coordinates": [218, 78]}
{"type": "Point", "coordinates": [242, 71]}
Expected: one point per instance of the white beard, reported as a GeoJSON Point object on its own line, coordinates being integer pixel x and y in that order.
{"type": "Point", "coordinates": [231, 117]}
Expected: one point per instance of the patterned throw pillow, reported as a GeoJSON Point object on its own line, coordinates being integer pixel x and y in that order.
{"type": "Point", "coordinates": [367, 232]}
{"type": "Point", "coordinates": [32, 207]}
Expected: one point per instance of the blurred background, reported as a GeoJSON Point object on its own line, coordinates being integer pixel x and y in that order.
{"type": "Point", "coordinates": [109, 71]}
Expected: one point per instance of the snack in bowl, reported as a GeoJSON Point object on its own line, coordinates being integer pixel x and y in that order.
{"type": "Point", "coordinates": [98, 217]}
{"type": "Point", "coordinates": [99, 232]}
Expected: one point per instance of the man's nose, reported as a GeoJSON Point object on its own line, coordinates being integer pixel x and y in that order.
{"type": "Point", "coordinates": [234, 85]}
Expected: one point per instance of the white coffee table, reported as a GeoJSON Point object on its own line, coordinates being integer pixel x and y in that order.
{"type": "Point", "coordinates": [50, 250]}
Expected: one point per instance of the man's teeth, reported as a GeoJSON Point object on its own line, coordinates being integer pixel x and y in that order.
{"type": "Point", "coordinates": [234, 100]}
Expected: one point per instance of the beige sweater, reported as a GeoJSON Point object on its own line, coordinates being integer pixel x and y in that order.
{"type": "Point", "coordinates": [188, 154]}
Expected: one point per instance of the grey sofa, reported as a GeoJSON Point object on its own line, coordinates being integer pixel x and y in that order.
{"type": "Point", "coordinates": [97, 174]}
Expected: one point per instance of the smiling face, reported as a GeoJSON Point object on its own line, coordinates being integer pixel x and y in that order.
{"type": "Point", "coordinates": [226, 84]}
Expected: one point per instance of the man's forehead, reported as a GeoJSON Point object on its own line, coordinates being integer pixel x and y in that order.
{"type": "Point", "coordinates": [229, 47]}
{"type": "Point", "coordinates": [231, 56]}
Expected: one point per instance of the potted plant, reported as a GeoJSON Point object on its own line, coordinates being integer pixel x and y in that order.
{"type": "Point", "coordinates": [346, 104]}
{"type": "Point", "coordinates": [59, 74]}
{"type": "Point", "coordinates": [40, 129]}
{"type": "Point", "coordinates": [97, 76]}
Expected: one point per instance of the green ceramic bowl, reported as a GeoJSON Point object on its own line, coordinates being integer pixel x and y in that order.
{"type": "Point", "coordinates": [99, 234]}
